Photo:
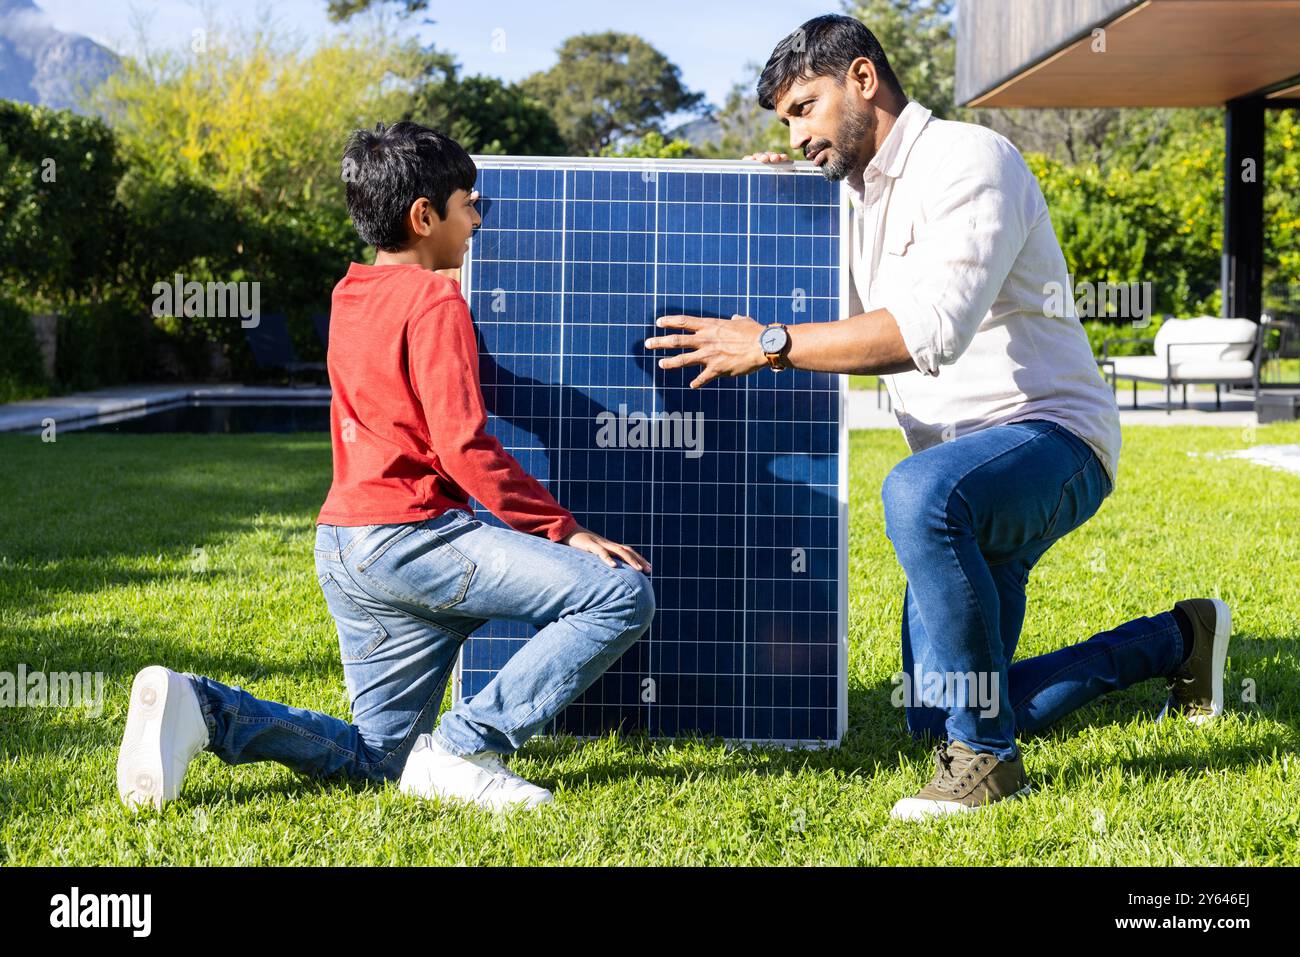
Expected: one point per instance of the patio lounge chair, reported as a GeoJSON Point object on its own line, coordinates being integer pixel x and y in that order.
{"type": "Point", "coordinates": [1206, 350]}
{"type": "Point", "coordinates": [321, 320]}
{"type": "Point", "coordinates": [273, 347]}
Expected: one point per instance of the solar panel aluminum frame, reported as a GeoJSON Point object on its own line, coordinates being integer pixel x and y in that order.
{"type": "Point", "coordinates": [623, 164]}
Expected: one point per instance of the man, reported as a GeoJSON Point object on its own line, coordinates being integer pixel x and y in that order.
{"type": "Point", "coordinates": [1014, 434]}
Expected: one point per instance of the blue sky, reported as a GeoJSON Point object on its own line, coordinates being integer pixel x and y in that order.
{"type": "Point", "coordinates": [711, 41]}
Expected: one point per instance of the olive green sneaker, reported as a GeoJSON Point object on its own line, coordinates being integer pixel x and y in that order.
{"type": "Point", "coordinates": [964, 780]}
{"type": "Point", "coordinates": [1196, 688]}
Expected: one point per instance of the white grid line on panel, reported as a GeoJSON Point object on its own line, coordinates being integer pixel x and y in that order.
{"type": "Point", "coordinates": [676, 202]}
{"type": "Point", "coordinates": [559, 440]}
{"type": "Point", "coordinates": [744, 621]}
{"type": "Point", "coordinates": [702, 263]}
{"type": "Point", "coordinates": [695, 295]}
{"type": "Point", "coordinates": [654, 411]}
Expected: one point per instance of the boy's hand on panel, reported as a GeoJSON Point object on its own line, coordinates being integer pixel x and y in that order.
{"type": "Point", "coordinates": [605, 549]}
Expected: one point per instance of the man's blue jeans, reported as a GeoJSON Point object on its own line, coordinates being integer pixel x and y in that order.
{"type": "Point", "coordinates": [968, 519]}
{"type": "Point", "coordinates": [404, 598]}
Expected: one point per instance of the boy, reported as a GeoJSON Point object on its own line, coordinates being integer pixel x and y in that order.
{"type": "Point", "coordinates": [407, 571]}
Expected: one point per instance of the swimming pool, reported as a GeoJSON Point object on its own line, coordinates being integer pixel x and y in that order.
{"type": "Point", "coordinates": [204, 417]}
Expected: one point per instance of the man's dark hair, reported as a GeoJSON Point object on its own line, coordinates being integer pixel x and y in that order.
{"type": "Point", "coordinates": [389, 168]}
{"type": "Point", "coordinates": [824, 46]}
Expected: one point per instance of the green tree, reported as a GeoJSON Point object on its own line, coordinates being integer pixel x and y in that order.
{"type": "Point", "coordinates": [66, 233]}
{"type": "Point", "coordinates": [59, 218]}
{"type": "Point", "coordinates": [235, 175]}
{"type": "Point", "coordinates": [1100, 239]}
{"type": "Point", "coordinates": [253, 116]}
{"type": "Point", "coordinates": [340, 10]}
{"type": "Point", "coordinates": [651, 146]}
{"type": "Point", "coordinates": [1159, 224]}
{"type": "Point", "coordinates": [482, 113]}
{"type": "Point", "coordinates": [920, 40]}
{"type": "Point", "coordinates": [608, 86]}
{"type": "Point", "coordinates": [743, 126]}
{"type": "Point", "coordinates": [1282, 214]}
{"type": "Point", "coordinates": [1101, 137]}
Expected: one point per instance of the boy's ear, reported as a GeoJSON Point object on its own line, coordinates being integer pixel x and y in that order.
{"type": "Point", "coordinates": [421, 218]}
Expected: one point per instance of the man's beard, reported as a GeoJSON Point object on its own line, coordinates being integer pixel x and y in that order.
{"type": "Point", "coordinates": [856, 129]}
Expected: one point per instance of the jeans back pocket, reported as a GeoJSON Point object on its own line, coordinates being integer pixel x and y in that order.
{"type": "Point", "coordinates": [1081, 496]}
{"type": "Point", "coordinates": [417, 568]}
{"type": "Point", "coordinates": [360, 632]}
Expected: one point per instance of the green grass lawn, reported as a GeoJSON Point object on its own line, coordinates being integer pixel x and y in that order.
{"type": "Point", "coordinates": [99, 571]}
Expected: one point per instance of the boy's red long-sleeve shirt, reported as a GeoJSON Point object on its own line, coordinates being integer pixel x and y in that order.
{"type": "Point", "coordinates": [407, 420]}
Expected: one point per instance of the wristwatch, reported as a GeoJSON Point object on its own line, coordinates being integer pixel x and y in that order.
{"type": "Point", "coordinates": [775, 341]}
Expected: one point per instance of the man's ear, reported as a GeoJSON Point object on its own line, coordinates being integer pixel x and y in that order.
{"type": "Point", "coordinates": [864, 78]}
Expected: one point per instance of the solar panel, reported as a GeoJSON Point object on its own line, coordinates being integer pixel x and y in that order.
{"type": "Point", "coordinates": [735, 492]}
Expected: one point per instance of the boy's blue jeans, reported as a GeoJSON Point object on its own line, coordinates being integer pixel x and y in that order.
{"type": "Point", "coordinates": [404, 598]}
{"type": "Point", "coordinates": [968, 519]}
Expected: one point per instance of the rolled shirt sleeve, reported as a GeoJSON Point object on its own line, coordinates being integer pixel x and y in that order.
{"type": "Point", "coordinates": [969, 234]}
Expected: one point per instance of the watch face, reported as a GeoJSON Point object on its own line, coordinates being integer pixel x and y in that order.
{"type": "Point", "coordinates": [773, 340]}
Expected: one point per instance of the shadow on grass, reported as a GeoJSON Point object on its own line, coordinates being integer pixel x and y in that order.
{"type": "Point", "coordinates": [119, 655]}
{"type": "Point", "coordinates": [1219, 757]}
{"type": "Point", "coordinates": [100, 498]}
{"type": "Point", "coordinates": [92, 514]}
{"type": "Point", "coordinates": [877, 733]}
{"type": "Point", "coordinates": [80, 512]}
{"type": "Point", "coordinates": [877, 739]}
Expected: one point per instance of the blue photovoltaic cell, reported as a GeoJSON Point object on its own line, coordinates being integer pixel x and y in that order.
{"type": "Point", "coordinates": [737, 500]}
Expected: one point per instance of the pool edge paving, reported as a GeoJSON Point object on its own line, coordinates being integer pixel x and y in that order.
{"type": "Point", "coordinates": [80, 406]}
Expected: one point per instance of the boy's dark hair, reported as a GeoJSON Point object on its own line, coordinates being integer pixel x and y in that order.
{"type": "Point", "coordinates": [824, 46]}
{"type": "Point", "coordinates": [390, 168]}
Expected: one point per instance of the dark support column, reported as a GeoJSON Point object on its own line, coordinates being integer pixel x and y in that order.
{"type": "Point", "coordinates": [1243, 209]}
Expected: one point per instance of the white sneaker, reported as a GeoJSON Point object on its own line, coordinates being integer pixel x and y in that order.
{"type": "Point", "coordinates": [164, 731]}
{"type": "Point", "coordinates": [482, 778]}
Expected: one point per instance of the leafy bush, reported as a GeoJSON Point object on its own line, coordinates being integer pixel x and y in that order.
{"type": "Point", "coordinates": [483, 114]}
{"type": "Point", "coordinates": [59, 218]}
{"type": "Point", "coordinates": [1099, 330]}
{"type": "Point", "coordinates": [1119, 227]}
{"type": "Point", "coordinates": [102, 343]}
{"type": "Point", "coordinates": [651, 146]}
{"type": "Point", "coordinates": [21, 373]}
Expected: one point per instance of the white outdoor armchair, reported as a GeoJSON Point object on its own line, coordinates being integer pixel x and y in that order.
{"type": "Point", "coordinates": [1205, 350]}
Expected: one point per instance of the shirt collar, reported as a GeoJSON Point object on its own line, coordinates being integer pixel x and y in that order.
{"type": "Point", "coordinates": [892, 155]}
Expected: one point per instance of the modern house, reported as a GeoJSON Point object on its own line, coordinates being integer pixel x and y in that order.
{"type": "Point", "coordinates": [1242, 55]}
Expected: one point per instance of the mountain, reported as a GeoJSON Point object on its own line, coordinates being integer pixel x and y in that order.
{"type": "Point", "coordinates": [697, 132]}
{"type": "Point", "coordinates": [45, 66]}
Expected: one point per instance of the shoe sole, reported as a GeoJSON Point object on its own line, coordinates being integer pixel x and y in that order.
{"type": "Point", "coordinates": [528, 805]}
{"type": "Point", "coordinates": [1222, 634]}
{"type": "Point", "coordinates": [467, 802]}
{"type": "Point", "coordinates": [141, 779]}
{"type": "Point", "coordinates": [913, 809]}
{"type": "Point", "coordinates": [1218, 659]}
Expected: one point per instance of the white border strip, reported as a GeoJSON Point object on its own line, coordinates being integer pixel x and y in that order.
{"type": "Point", "coordinates": [637, 165]}
{"type": "Point", "coordinates": [843, 570]}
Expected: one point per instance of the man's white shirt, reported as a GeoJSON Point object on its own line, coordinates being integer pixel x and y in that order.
{"type": "Point", "coordinates": [952, 235]}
